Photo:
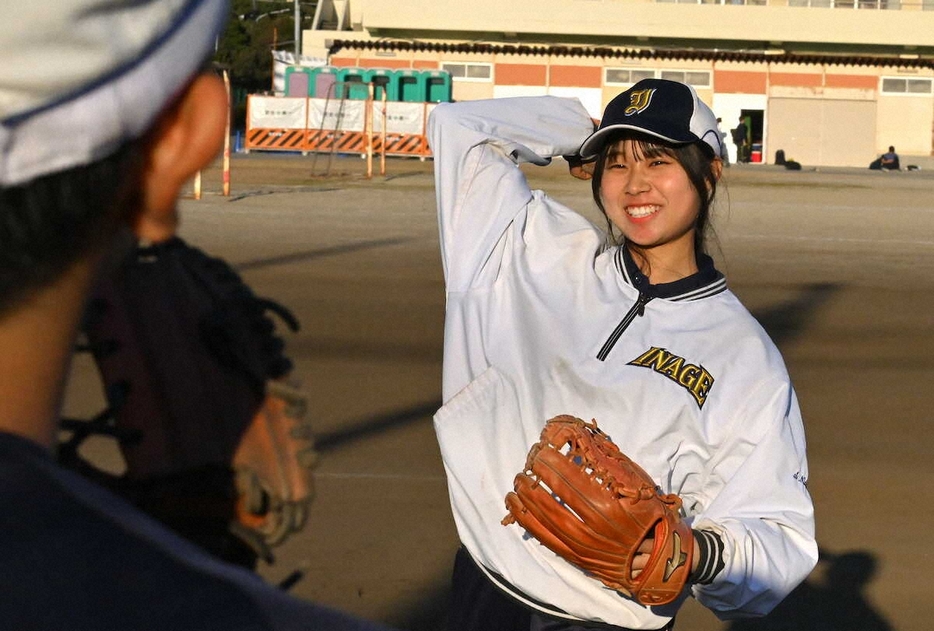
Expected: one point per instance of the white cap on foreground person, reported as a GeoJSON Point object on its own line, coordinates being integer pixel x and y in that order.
{"type": "Point", "coordinates": [104, 115]}
{"type": "Point", "coordinates": [80, 78]}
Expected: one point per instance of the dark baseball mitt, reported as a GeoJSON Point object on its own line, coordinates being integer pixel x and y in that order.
{"type": "Point", "coordinates": [213, 432]}
{"type": "Point", "coordinates": [584, 500]}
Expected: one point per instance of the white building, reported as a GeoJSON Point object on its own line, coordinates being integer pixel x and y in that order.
{"type": "Point", "coordinates": [830, 82]}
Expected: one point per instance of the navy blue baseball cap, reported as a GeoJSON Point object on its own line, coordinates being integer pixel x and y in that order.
{"type": "Point", "coordinates": [668, 110]}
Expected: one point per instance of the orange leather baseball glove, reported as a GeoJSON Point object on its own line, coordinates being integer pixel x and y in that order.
{"type": "Point", "coordinates": [584, 500]}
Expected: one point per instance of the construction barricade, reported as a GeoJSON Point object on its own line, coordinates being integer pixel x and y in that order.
{"type": "Point", "coordinates": [276, 124]}
{"type": "Point", "coordinates": [336, 125]}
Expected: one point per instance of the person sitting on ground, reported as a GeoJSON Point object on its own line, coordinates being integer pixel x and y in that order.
{"type": "Point", "coordinates": [890, 160]}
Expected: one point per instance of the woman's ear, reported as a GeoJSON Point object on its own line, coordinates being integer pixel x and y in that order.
{"type": "Point", "coordinates": [717, 168]}
{"type": "Point", "coordinates": [185, 139]}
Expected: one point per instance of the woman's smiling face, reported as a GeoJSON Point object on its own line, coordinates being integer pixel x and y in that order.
{"type": "Point", "coordinates": [649, 197]}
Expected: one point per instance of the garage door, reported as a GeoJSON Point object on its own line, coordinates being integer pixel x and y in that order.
{"type": "Point", "coordinates": [822, 132]}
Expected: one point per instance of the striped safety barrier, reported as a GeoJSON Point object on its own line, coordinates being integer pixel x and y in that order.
{"type": "Point", "coordinates": [403, 145]}
{"type": "Point", "coordinates": [275, 139]}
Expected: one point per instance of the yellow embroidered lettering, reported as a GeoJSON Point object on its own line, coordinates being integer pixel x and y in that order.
{"type": "Point", "coordinates": [692, 377]}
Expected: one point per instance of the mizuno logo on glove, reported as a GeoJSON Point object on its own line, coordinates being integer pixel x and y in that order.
{"type": "Point", "coordinates": [676, 553]}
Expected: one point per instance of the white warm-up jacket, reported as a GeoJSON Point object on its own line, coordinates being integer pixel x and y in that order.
{"type": "Point", "coordinates": [543, 318]}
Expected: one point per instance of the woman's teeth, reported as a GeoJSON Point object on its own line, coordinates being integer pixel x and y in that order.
{"type": "Point", "coordinates": [641, 211]}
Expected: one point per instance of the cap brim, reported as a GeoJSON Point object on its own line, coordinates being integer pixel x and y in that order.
{"type": "Point", "coordinates": [591, 147]}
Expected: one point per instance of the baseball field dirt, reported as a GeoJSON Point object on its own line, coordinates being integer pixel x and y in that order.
{"type": "Point", "coordinates": [837, 264]}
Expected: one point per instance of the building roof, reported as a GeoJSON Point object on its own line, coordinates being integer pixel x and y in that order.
{"type": "Point", "coordinates": [610, 52]}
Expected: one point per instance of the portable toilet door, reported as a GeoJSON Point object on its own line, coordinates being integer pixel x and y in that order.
{"type": "Point", "coordinates": [437, 86]}
{"type": "Point", "coordinates": [382, 80]}
{"type": "Point", "coordinates": [352, 83]}
{"type": "Point", "coordinates": [410, 86]}
{"type": "Point", "coordinates": [323, 81]}
{"type": "Point", "coordinates": [297, 81]}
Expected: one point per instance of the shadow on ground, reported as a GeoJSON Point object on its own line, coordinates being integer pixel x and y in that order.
{"type": "Point", "coordinates": [788, 320]}
{"type": "Point", "coordinates": [832, 599]}
{"type": "Point", "coordinates": [300, 257]}
{"type": "Point", "coordinates": [373, 425]}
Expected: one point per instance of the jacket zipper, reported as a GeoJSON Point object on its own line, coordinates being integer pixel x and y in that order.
{"type": "Point", "coordinates": [637, 309]}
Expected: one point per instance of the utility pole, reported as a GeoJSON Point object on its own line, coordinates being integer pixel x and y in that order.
{"type": "Point", "coordinates": [298, 30]}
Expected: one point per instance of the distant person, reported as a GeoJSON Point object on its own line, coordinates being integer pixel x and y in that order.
{"type": "Point", "coordinates": [888, 161]}
{"type": "Point", "coordinates": [740, 135]}
{"type": "Point", "coordinates": [91, 156]}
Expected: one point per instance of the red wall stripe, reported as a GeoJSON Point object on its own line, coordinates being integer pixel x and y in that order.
{"type": "Point", "coordinates": [383, 62]}
{"type": "Point", "coordinates": [520, 74]}
{"type": "Point", "coordinates": [796, 79]}
{"type": "Point", "coordinates": [739, 82]}
{"type": "Point", "coordinates": [576, 76]}
{"type": "Point", "coordinates": [863, 82]}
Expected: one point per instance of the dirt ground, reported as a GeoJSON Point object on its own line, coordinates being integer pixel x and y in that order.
{"type": "Point", "coordinates": [837, 264]}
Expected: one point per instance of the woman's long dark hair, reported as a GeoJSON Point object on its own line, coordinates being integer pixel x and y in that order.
{"type": "Point", "coordinates": [696, 159]}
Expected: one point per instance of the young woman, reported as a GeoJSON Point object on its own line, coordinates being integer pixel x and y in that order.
{"type": "Point", "coordinates": [548, 314]}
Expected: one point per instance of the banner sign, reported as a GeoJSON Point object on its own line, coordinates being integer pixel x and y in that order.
{"type": "Point", "coordinates": [331, 114]}
{"type": "Point", "coordinates": [277, 112]}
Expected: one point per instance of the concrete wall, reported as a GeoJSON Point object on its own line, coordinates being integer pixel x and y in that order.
{"type": "Point", "coordinates": [902, 123]}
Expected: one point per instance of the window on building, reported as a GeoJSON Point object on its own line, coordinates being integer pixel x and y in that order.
{"type": "Point", "coordinates": [696, 78]}
{"type": "Point", "coordinates": [468, 71]}
{"type": "Point", "coordinates": [749, 2]}
{"type": "Point", "coordinates": [850, 4]}
{"type": "Point", "coordinates": [903, 85]}
{"type": "Point", "coordinates": [626, 76]}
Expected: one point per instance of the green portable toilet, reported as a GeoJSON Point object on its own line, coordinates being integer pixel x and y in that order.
{"type": "Point", "coordinates": [352, 83]}
{"type": "Point", "coordinates": [323, 80]}
{"type": "Point", "coordinates": [437, 86]}
{"type": "Point", "coordinates": [410, 85]}
{"type": "Point", "coordinates": [297, 81]}
{"type": "Point", "coordinates": [382, 80]}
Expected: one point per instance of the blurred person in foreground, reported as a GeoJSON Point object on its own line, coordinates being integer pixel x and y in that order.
{"type": "Point", "coordinates": [105, 115]}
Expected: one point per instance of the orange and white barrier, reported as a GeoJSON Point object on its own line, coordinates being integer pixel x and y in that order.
{"type": "Point", "coordinates": [331, 125]}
